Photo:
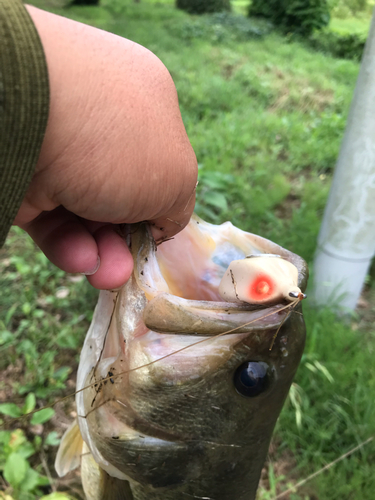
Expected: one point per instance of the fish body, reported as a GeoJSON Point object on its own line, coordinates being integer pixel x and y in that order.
{"type": "Point", "coordinates": [179, 391]}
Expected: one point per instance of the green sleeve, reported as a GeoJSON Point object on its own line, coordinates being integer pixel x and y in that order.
{"type": "Point", "coordinates": [24, 101]}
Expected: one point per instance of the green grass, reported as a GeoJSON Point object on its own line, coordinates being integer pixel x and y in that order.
{"type": "Point", "coordinates": [265, 116]}
{"type": "Point", "coordinates": [44, 315]}
{"type": "Point", "coordinates": [337, 408]}
{"type": "Point", "coordinates": [351, 25]}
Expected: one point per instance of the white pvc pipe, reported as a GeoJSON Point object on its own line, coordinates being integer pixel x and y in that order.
{"type": "Point", "coordinates": [346, 242]}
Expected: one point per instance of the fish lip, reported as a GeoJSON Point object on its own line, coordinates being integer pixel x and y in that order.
{"type": "Point", "coordinates": [167, 313]}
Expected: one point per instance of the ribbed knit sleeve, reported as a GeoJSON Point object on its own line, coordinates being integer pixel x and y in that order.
{"type": "Point", "coordinates": [24, 101]}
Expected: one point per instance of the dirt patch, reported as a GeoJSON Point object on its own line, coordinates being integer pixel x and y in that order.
{"type": "Point", "coordinates": [7, 377]}
{"type": "Point", "coordinates": [229, 69]}
{"type": "Point", "coordinates": [285, 210]}
{"type": "Point", "coordinates": [293, 201]}
{"type": "Point", "coordinates": [294, 92]}
{"type": "Point", "coordinates": [365, 319]}
{"type": "Point", "coordinates": [304, 99]}
{"type": "Point", "coordinates": [279, 474]}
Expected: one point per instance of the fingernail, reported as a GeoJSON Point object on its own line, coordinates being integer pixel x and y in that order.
{"type": "Point", "coordinates": [90, 273]}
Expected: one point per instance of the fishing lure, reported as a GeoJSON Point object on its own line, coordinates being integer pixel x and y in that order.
{"type": "Point", "coordinates": [260, 279]}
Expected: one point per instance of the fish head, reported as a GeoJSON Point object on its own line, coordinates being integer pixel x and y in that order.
{"type": "Point", "coordinates": [182, 390]}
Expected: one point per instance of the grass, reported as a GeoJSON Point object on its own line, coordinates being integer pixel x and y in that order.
{"type": "Point", "coordinates": [43, 319]}
{"type": "Point", "coordinates": [351, 25]}
{"type": "Point", "coordinates": [265, 116]}
{"type": "Point", "coordinates": [336, 410]}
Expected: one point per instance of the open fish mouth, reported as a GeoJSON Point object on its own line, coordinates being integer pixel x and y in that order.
{"type": "Point", "coordinates": [178, 381]}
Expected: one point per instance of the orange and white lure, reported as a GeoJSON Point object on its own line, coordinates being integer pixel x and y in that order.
{"type": "Point", "coordinates": [260, 279]}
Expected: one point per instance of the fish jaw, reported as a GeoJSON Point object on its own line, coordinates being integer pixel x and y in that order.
{"type": "Point", "coordinates": [178, 425]}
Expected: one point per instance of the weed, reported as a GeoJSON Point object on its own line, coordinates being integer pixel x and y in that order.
{"type": "Point", "coordinates": [18, 451]}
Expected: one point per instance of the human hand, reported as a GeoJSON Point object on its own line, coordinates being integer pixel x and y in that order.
{"type": "Point", "coordinates": [115, 151]}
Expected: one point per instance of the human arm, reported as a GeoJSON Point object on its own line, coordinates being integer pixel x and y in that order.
{"type": "Point", "coordinates": [115, 151]}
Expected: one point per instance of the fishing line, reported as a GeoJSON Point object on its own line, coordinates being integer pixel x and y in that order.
{"type": "Point", "coordinates": [293, 305]}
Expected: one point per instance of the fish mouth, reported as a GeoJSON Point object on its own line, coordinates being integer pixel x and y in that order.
{"type": "Point", "coordinates": [192, 264]}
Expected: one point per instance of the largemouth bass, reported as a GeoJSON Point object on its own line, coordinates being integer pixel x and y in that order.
{"type": "Point", "coordinates": [179, 390]}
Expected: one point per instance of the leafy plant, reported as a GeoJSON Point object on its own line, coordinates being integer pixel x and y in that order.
{"type": "Point", "coordinates": [347, 45]}
{"type": "Point", "coordinates": [220, 27]}
{"type": "Point", "coordinates": [271, 9]}
{"type": "Point", "coordinates": [203, 6]}
{"type": "Point", "coordinates": [298, 16]}
{"type": "Point", "coordinates": [35, 308]}
{"type": "Point", "coordinates": [84, 2]}
{"type": "Point", "coordinates": [15, 450]}
{"type": "Point", "coordinates": [274, 481]}
{"type": "Point", "coordinates": [346, 8]}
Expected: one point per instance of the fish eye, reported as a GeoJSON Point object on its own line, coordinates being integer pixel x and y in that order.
{"type": "Point", "coordinates": [251, 378]}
